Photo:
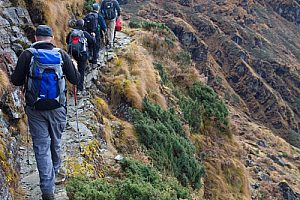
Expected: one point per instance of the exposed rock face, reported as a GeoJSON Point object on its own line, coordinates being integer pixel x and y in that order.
{"type": "Point", "coordinates": [13, 41]}
{"type": "Point", "coordinates": [290, 10]}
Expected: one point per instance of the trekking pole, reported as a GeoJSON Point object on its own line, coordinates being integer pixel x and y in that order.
{"type": "Point", "coordinates": [27, 147]}
{"type": "Point", "coordinates": [77, 125]}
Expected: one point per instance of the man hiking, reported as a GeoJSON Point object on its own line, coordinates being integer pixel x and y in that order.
{"type": "Point", "coordinates": [110, 10]}
{"type": "Point", "coordinates": [79, 42]}
{"type": "Point", "coordinates": [95, 25]}
{"type": "Point", "coordinates": [42, 68]}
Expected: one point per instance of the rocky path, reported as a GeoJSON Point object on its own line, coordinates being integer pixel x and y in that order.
{"type": "Point", "coordinates": [70, 138]}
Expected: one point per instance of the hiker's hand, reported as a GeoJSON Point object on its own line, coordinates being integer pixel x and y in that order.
{"type": "Point", "coordinates": [93, 34]}
{"type": "Point", "coordinates": [75, 63]}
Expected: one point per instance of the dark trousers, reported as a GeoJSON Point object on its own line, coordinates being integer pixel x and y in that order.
{"type": "Point", "coordinates": [96, 48]}
{"type": "Point", "coordinates": [81, 61]}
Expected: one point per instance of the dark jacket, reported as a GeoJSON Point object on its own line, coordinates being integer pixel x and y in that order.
{"type": "Point", "coordinates": [90, 39]}
{"type": "Point", "coordinates": [116, 5]}
{"type": "Point", "coordinates": [21, 71]}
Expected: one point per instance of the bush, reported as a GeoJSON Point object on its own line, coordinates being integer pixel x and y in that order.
{"type": "Point", "coordinates": [138, 181]}
{"type": "Point", "coordinates": [88, 5]}
{"type": "Point", "coordinates": [192, 111]}
{"type": "Point", "coordinates": [214, 107]}
{"type": "Point", "coordinates": [293, 138]}
{"type": "Point", "coordinates": [163, 135]}
{"type": "Point", "coordinates": [162, 73]}
{"type": "Point", "coordinates": [200, 104]}
{"type": "Point", "coordinates": [184, 58]}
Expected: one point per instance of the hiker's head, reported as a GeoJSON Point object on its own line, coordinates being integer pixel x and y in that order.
{"type": "Point", "coordinates": [96, 7]}
{"type": "Point", "coordinates": [43, 33]}
{"type": "Point", "coordinates": [80, 23]}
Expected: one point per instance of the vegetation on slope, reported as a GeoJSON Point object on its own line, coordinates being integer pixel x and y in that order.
{"type": "Point", "coordinates": [136, 181]}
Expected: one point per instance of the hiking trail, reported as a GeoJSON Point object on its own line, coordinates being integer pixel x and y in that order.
{"type": "Point", "coordinates": [70, 147]}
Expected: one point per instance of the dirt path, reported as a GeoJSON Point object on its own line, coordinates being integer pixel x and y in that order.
{"type": "Point", "coordinates": [70, 140]}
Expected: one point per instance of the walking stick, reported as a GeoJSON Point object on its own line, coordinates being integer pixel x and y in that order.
{"type": "Point", "coordinates": [27, 147]}
{"type": "Point", "coordinates": [77, 125]}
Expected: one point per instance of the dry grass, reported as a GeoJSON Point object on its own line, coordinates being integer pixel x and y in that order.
{"type": "Point", "coordinates": [57, 14]}
{"type": "Point", "coordinates": [4, 82]}
{"type": "Point", "coordinates": [134, 76]}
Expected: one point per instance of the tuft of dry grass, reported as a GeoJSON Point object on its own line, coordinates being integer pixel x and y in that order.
{"type": "Point", "coordinates": [4, 82]}
{"type": "Point", "coordinates": [134, 77]}
{"type": "Point", "coordinates": [56, 14]}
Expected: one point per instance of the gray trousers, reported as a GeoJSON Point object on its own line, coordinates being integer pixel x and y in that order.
{"type": "Point", "coordinates": [46, 128]}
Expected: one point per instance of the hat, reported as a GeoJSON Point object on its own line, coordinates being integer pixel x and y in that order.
{"type": "Point", "coordinates": [80, 23]}
{"type": "Point", "coordinates": [43, 30]}
{"type": "Point", "coordinates": [95, 6]}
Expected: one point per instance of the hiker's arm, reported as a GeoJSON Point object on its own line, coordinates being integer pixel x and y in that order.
{"type": "Point", "coordinates": [102, 23]}
{"type": "Point", "coordinates": [68, 38]}
{"type": "Point", "coordinates": [69, 69]}
{"type": "Point", "coordinates": [19, 75]}
{"type": "Point", "coordinates": [118, 8]}
{"type": "Point", "coordinates": [90, 40]}
{"type": "Point", "coordinates": [101, 8]}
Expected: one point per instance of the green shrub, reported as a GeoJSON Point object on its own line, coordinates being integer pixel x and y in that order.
{"type": "Point", "coordinates": [137, 182]}
{"type": "Point", "coordinates": [162, 72]}
{"type": "Point", "coordinates": [163, 135]}
{"type": "Point", "coordinates": [200, 104]}
{"type": "Point", "coordinates": [192, 111]}
{"type": "Point", "coordinates": [214, 107]}
{"type": "Point", "coordinates": [135, 23]}
{"type": "Point", "coordinates": [184, 58]}
{"type": "Point", "coordinates": [293, 138]}
{"type": "Point", "coordinates": [88, 5]}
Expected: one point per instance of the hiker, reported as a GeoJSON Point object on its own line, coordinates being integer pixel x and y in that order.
{"type": "Point", "coordinates": [42, 68]}
{"type": "Point", "coordinates": [110, 10]}
{"type": "Point", "coordinates": [79, 42]}
{"type": "Point", "coordinates": [95, 25]}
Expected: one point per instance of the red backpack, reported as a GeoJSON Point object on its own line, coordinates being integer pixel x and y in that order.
{"type": "Point", "coordinates": [118, 24]}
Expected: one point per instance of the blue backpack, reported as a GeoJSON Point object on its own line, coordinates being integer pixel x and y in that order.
{"type": "Point", "coordinates": [46, 86]}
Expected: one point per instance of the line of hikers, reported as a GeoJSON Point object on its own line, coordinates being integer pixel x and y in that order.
{"type": "Point", "coordinates": [94, 31]}
{"type": "Point", "coordinates": [42, 70]}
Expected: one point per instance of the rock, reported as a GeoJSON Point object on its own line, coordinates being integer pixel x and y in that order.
{"type": "Point", "coordinates": [255, 186]}
{"type": "Point", "coordinates": [237, 39]}
{"type": "Point", "coordinates": [249, 163]}
{"type": "Point", "coordinates": [119, 158]}
{"type": "Point", "coordinates": [262, 143]}
{"type": "Point", "coordinates": [287, 191]}
{"type": "Point", "coordinates": [277, 160]}
{"type": "Point", "coordinates": [263, 177]}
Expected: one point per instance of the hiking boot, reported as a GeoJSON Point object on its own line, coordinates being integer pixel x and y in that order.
{"type": "Point", "coordinates": [48, 196]}
{"type": "Point", "coordinates": [78, 92]}
{"type": "Point", "coordinates": [60, 177]}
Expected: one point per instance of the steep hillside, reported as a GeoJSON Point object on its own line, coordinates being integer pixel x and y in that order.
{"type": "Point", "coordinates": [152, 102]}
{"type": "Point", "coordinates": [249, 52]}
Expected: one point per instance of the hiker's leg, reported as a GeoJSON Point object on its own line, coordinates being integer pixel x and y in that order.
{"type": "Point", "coordinates": [81, 68]}
{"type": "Point", "coordinates": [57, 119]}
{"type": "Point", "coordinates": [96, 48]}
{"type": "Point", "coordinates": [38, 126]}
{"type": "Point", "coordinates": [110, 31]}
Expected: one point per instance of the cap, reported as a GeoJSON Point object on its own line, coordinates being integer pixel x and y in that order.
{"type": "Point", "coordinates": [80, 23]}
{"type": "Point", "coordinates": [43, 30]}
{"type": "Point", "coordinates": [96, 6]}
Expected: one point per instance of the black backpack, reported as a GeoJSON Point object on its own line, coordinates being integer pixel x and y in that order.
{"type": "Point", "coordinates": [109, 10]}
{"type": "Point", "coordinates": [91, 22]}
